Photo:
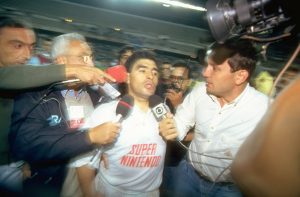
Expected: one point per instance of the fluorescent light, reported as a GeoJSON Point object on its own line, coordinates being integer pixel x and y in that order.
{"type": "Point", "coordinates": [180, 4]}
{"type": "Point", "coordinates": [68, 20]}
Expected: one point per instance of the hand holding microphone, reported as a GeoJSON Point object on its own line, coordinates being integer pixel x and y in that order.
{"type": "Point", "coordinates": [122, 111]}
{"type": "Point", "coordinates": [167, 128]}
{"type": "Point", "coordinates": [107, 132]}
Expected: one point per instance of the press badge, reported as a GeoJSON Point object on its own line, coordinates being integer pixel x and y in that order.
{"type": "Point", "coordinates": [76, 116]}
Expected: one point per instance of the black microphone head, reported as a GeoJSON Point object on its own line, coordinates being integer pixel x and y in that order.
{"type": "Point", "coordinates": [124, 106]}
{"type": "Point", "coordinates": [154, 100]}
{"type": "Point", "coordinates": [157, 106]}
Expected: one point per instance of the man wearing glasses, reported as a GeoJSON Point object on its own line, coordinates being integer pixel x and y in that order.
{"type": "Point", "coordinates": [45, 129]}
{"type": "Point", "coordinates": [180, 85]}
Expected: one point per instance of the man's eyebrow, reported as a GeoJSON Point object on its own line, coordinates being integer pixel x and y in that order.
{"type": "Point", "coordinates": [143, 66]}
{"type": "Point", "coordinates": [21, 42]}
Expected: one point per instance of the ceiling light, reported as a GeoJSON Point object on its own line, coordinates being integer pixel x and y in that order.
{"type": "Point", "coordinates": [166, 5]}
{"type": "Point", "coordinates": [68, 20]}
{"type": "Point", "coordinates": [180, 4]}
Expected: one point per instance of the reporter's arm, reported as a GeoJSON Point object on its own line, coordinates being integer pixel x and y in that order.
{"type": "Point", "coordinates": [267, 164]}
{"type": "Point", "coordinates": [87, 74]}
{"type": "Point", "coordinates": [24, 76]}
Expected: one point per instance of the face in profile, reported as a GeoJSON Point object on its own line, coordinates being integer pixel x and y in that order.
{"type": "Point", "coordinates": [79, 53]}
{"type": "Point", "coordinates": [219, 78]}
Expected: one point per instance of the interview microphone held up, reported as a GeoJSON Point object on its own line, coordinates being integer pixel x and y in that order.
{"type": "Point", "coordinates": [118, 72]}
{"type": "Point", "coordinates": [124, 107]}
{"type": "Point", "coordinates": [158, 108]}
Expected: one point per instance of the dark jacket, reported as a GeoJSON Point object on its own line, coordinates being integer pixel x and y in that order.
{"type": "Point", "coordinates": [20, 77]}
{"type": "Point", "coordinates": [40, 135]}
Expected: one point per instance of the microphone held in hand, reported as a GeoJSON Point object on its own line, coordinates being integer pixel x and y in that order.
{"type": "Point", "coordinates": [158, 108]}
{"type": "Point", "coordinates": [61, 85]}
{"type": "Point", "coordinates": [122, 111]}
{"type": "Point", "coordinates": [118, 72]}
{"type": "Point", "coordinates": [124, 107]}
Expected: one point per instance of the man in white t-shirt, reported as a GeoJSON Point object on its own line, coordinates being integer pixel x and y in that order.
{"type": "Point", "coordinates": [224, 111]}
{"type": "Point", "coordinates": [136, 158]}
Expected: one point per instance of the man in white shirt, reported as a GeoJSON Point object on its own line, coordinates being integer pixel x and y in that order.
{"type": "Point", "coordinates": [224, 111]}
{"type": "Point", "coordinates": [136, 158]}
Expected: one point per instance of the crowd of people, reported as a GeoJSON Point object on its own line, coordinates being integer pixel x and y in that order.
{"type": "Point", "coordinates": [61, 138]}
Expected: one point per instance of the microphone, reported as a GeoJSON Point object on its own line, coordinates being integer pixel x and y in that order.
{"type": "Point", "coordinates": [158, 108]}
{"type": "Point", "coordinates": [123, 109]}
{"type": "Point", "coordinates": [63, 84]}
{"type": "Point", "coordinates": [118, 72]}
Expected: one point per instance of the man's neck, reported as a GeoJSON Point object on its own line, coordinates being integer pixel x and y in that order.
{"type": "Point", "coordinates": [232, 95]}
{"type": "Point", "coordinates": [142, 103]}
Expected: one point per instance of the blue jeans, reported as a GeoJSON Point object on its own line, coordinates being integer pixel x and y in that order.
{"type": "Point", "coordinates": [188, 183]}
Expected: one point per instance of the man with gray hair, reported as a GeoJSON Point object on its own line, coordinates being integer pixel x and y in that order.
{"type": "Point", "coordinates": [45, 129]}
{"type": "Point", "coordinates": [17, 41]}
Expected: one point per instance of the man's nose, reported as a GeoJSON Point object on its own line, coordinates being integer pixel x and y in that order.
{"type": "Point", "coordinates": [206, 71]}
{"type": "Point", "coordinates": [150, 75]}
{"type": "Point", "coordinates": [27, 52]}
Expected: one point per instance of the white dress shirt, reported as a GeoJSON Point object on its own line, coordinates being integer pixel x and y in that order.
{"type": "Point", "coordinates": [219, 131]}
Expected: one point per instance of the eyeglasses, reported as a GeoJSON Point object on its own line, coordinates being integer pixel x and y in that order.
{"type": "Point", "coordinates": [84, 58]}
{"type": "Point", "coordinates": [177, 78]}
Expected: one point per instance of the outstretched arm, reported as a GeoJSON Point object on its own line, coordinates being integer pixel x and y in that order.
{"type": "Point", "coordinates": [25, 76]}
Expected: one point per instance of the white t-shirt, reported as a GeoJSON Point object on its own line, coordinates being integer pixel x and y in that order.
{"type": "Point", "coordinates": [136, 158]}
{"type": "Point", "coordinates": [219, 131]}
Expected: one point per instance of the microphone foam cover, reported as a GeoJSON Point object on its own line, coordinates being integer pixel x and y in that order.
{"type": "Point", "coordinates": [154, 100]}
{"type": "Point", "coordinates": [118, 72]}
{"type": "Point", "coordinates": [124, 106]}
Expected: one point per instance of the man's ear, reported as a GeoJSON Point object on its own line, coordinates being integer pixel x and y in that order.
{"type": "Point", "coordinates": [60, 60]}
{"type": "Point", "coordinates": [241, 76]}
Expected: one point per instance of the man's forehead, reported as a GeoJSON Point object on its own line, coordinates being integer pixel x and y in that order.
{"type": "Point", "coordinates": [145, 63]}
{"type": "Point", "coordinates": [166, 66]}
{"type": "Point", "coordinates": [18, 34]}
{"type": "Point", "coordinates": [78, 46]}
{"type": "Point", "coordinates": [179, 71]}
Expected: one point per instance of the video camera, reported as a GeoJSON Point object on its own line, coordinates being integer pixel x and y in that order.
{"type": "Point", "coordinates": [230, 18]}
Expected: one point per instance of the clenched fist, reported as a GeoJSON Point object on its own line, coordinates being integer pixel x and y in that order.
{"type": "Point", "coordinates": [104, 133]}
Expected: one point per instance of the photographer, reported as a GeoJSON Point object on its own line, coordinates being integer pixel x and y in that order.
{"type": "Point", "coordinates": [180, 85]}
